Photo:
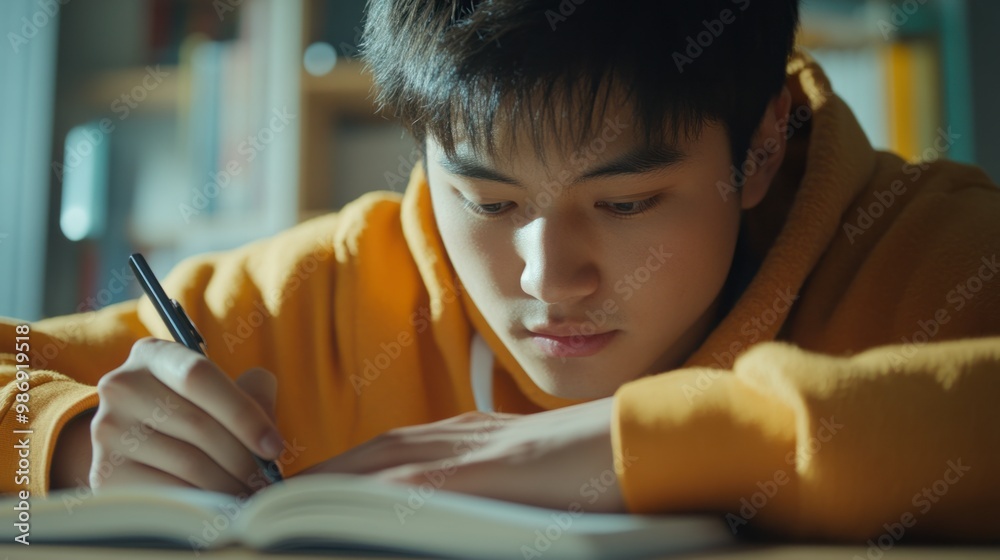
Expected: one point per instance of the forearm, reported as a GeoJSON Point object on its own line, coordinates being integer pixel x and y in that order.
{"type": "Point", "coordinates": [72, 455]}
{"type": "Point", "coordinates": [811, 445]}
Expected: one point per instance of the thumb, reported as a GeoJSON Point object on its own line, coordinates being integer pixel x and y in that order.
{"type": "Point", "coordinates": [262, 386]}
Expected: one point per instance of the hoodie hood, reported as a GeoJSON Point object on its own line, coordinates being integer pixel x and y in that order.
{"type": "Point", "coordinates": [828, 163]}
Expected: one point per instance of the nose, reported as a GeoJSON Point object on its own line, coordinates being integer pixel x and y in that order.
{"type": "Point", "coordinates": [559, 264]}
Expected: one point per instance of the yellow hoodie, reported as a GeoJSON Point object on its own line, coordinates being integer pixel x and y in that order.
{"type": "Point", "coordinates": [876, 413]}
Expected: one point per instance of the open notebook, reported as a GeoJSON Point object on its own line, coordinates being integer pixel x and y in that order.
{"type": "Point", "coordinates": [348, 513]}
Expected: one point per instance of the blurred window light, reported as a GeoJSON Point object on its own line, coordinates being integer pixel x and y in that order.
{"type": "Point", "coordinates": [319, 58]}
{"type": "Point", "coordinates": [85, 182]}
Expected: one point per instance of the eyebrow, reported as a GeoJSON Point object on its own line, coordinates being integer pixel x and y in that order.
{"type": "Point", "coordinates": [639, 160]}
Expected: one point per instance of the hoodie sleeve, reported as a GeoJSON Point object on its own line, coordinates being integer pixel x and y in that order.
{"type": "Point", "coordinates": [879, 415]}
{"type": "Point", "coordinates": [812, 445]}
{"type": "Point", "coordinates": [269, 304]}
{"type": "Point", "coordinates": [60, 361]}
{"type": "Point", "coordinates": [225, 294]}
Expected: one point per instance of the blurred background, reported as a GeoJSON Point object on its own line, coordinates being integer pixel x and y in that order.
{"type": "Point", "coordinates": [175, 127]}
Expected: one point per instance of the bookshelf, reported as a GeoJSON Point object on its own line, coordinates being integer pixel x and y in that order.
{"type": "Point", "coordinates": [903, 86]}
{"type": "Point", "coordinates": [346, 147]}
{"type": "Point", "coordinates": [110, 85]}
{"type": "Point", "coordinates": [321, 102]}
{"type": "Point", "coordinates": [192, 93]}
{"type": "Point", "coordinates": [344, 93]}
{"type": "Point", "coordinates": [890, 63]}
{"type": "Point", "coordinates": [223, 75]}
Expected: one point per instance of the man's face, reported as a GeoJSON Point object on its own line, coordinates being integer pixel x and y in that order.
{"type": "Point", "coordinates": [598, 266]}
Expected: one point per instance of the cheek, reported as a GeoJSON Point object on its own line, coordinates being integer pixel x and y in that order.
{"type": "Point", "coordinates": [477, 254]}
{"type": "Point", "coordinates": [706, 241]}
{"type": "Point", "coordinates": [700, 237]}
{"type": "Point", "coordinates": [453, 228]}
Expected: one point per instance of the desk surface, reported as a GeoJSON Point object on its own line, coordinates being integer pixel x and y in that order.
{"type": "Point", "coordinates": [747, 552]}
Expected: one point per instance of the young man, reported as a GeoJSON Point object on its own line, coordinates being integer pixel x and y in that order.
{"type": "Point", "coordinates": [647, 242]}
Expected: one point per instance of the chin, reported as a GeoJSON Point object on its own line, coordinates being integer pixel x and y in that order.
{"type": "Point", "coordinates": [567, 385]}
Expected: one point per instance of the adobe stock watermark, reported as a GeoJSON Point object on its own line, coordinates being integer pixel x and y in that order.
{"type": "Point", "coordinates": [212, 529]}
{"type": "Point", "coordinates": [85, 312]}
{"type": "Point", "coordinates": [580, 160]}
{"type": "Point", "coordinates": [566, 9]}
{"type": "Point", "coordinates": [46, 12]}
{"type": "Point", "coordinates": [957, 298]}
{"type": "Point", "coordinates": [225, 7]}
{"type": "Point", "coordinates": [767, 489]}
{"type": "Point", "coordinates": [590, 491]}
{"type": "Point", "coordinates": [923, 501]}
{"type": "Point", "coordinates": [751, 330]}
{"type": "Point", "coordinates": [885, 199]}
{"type": "Point", "coordinates": [713, 29]}
{"type": "Point", "coordinates": [389, 351]}
{"type": "Point", "coordinates": [419, 494]}
{"type": "Point", "coordinates": [249, 148]}
{"type": "Point", "coordinates": [757, 157]}
{"type": "Point", "coordinates": [352, 49]}
{"type": "Point", "coordinates": [926, 329]}
{"type": "Point", "coordinates": [122, 106]}
{"type": "Point", "coordinates": [132, 439]}
{"type": "Point", "coordinates": [899, 15]}
{"type": "Point", "coordinates": [247, 324]}
{"type": "Point", "coordinates": [398, 180]}
{"type": "Point", "coordinates": [625, 288]}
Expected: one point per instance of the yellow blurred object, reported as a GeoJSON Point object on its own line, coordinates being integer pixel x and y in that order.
{"type": "Point", "coordinates": [913, 99]}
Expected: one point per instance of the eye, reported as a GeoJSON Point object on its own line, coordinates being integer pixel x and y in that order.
{"type": "Point", "coordinates": [632, 208]}
{"type": "Point", "coordinates": [493, 208]}
{"type": "Point", "coordinates": [488, 210]}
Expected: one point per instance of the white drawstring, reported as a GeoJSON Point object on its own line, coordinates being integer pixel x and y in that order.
{"type": "Point", "coordinates": [481, 373]}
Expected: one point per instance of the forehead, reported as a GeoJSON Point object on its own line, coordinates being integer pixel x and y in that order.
{"type": "Point", "coordinates": [601, 159]}
{"type": "Point", "coordinates": [519, 147]}
{"type": "Point", "coordinates": [558, 123]}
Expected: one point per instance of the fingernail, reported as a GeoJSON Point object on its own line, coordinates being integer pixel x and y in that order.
{"type": "Point", "coordinates": [272, 444]}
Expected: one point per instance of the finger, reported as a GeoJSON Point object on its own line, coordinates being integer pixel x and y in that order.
{"type": "Point", "coordinates": [134, 402]}
{"type": "Point", "coordinates": [262, 386]}
{"type": "Point", "coordinates": [484, 479]}
{"type": "Point", "coordinates": [477, 415]}
{"type": "Point", "coordinates": [413, 444]}
{"type": "Point", "coordinates": [104, 474]}
{"type": "Point", "coordinates": [186, 422]}
{"type": "Point", "coordinates": [195, 378]}
{"type": "Point", "coordinates": [442, 475]}
{"type": "Point", "coordinates": [377, 454]}
{"type": "Point", "coordinates": [454, 439]}
{"type": "Point", "coordinates": [185, 462]}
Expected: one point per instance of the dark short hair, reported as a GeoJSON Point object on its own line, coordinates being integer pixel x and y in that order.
{"type": "Point", "coordinates": [456, 69]}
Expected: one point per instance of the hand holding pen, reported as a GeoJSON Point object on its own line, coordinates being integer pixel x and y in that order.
{"type": "Point", "coordinates": [170, 416]}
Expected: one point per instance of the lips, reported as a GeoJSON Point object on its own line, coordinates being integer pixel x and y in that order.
{"type": "Point", "coordinates": [567, 341]}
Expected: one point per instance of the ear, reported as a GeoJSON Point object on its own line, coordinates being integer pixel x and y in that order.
{"type": "Point", "coordinates": [767, 150]}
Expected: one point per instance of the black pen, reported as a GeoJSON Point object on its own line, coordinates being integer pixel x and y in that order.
{"type": "Point", "coordinates": [183, 331]}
